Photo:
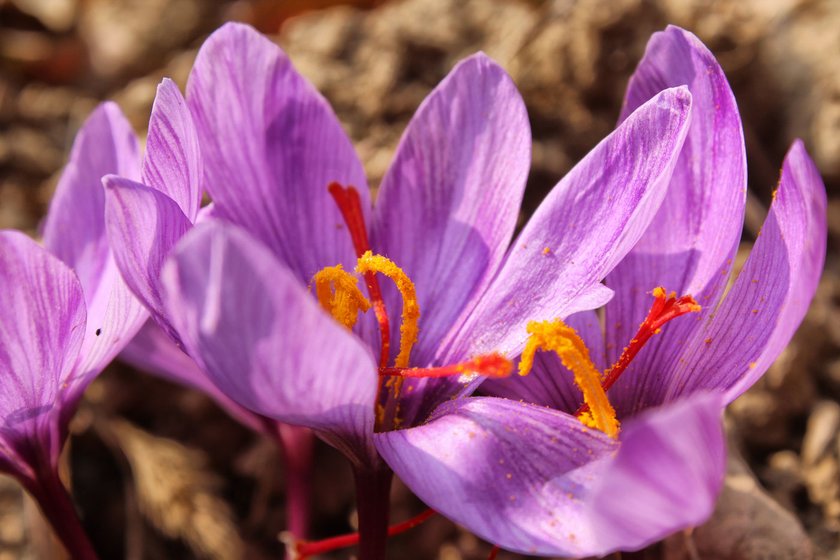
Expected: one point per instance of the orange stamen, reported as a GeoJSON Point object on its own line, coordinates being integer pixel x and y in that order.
{"type": "Point", "coordinates": [489, 365]}
{"type": "Point", "coordinates": [664, 308]}
{"type": "Point", "coordinates": [558, 337]}
{"type": "Point", "coordinates": [493, 553]}
{"type": "Point", "coordinates": [350, 205]}
{"type": "Point", "coordinates": [339, 296]}
{"type": "Point", "coordinates": [304, 549]}
{"type": "Point", "coordinates": [409, 329]}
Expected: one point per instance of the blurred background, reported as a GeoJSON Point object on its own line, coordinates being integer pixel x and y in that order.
{"type": "Point", "coordinates": [159, 472]}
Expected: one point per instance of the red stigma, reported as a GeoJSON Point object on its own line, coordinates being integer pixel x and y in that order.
{"type": "Point", "coordinates": [305, 549]}
{"type": "Point", "coordinates": [664, 309]}
{"type": "Point", "coordinates": [489, 365]}
{"type": "Point", "coordinates": [350, 205]}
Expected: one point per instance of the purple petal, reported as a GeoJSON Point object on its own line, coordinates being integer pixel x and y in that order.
{"type": "Point", "coordinates": [448, 205]}
{"type": "Point", "coordinates": [550, 383]}
{"type": "Point", "coordinates": [173, 159]}
{"type": "Point", "coordinates": [265, 342]}
{"type": "Point", "coordinates": [74, 231]}
{"type": "Point", "coordinates": [666, 477]}
{"type": "Point", "coordinates": [143, 226]}
{"type": "Point", "coordinates": [690, 244]}
{"type": "Point", "coordinates": [271, 147]}
{"type": "Point", "coordinates": [537, 481]}
{"type": "Point", "coordinates": [153, 351]}
{"type": "Point", "coordinates": [512, 473]}
{"type": "Point", "coordinates": [145, 222]}
{"type": "Point", "coordinates": [588, 223]}
{"type": "Point", "coordinates": [771, 294]}
{"type": "Point", "coordinates": [41, 332]}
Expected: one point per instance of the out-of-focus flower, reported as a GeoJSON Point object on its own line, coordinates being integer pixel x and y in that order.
{"type": "Point", "coordinates": [66, 314]}
{"type": "Point", "coordinates": [522, 471]}
{"type": "Point", "coordinates": [172, 174]}
{"type": "Point", "coordinates": [171, 167]}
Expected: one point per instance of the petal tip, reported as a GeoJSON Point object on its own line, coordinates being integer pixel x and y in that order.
{"type": "Point", "coordinates": [165, 84]}
{"type": "Point", "coordinates": [110, 181]}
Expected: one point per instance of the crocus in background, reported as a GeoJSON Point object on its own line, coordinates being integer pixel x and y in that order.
{"type": "Point", "coordinates": [522, 471]}
{"type": "Point", "coordinates": [66, 314]}
{"type": "Point", "coordinates": [290, 204]}
{"type": "Point", "coordinates": [171, 172]}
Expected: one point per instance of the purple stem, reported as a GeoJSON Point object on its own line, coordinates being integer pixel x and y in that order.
{"type": "Point", "coordinates": [58, 509]}
{"type": "Point", "coordinates": [373, 489]}
{"type": "Point", "coordinates": [296, 445]}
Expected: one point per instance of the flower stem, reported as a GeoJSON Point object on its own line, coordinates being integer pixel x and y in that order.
{"type": "Point", "coordinates": [58, 509]}
{"type": "Point", "coordinates": [373, 488]}
{"type": "Point", "coordinates": [296, 444]}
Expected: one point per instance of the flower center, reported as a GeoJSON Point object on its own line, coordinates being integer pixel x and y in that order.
{"type": "Point", "coordinates": [339, 295]}
{"type": "Point", "coordinates": [350, 205]}
{"type": "Point", "coordinates": [555, 336]}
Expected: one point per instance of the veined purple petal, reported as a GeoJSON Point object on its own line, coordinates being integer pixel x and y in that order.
{"type": "Point", "coordinates": [666, 477]}
{"type": "Point", "coordinates": [549, 383]}
{"type": "Point", "coordinates": [144, 221]}
{"type": "Point", "coordinates": [153, 351]}
{"type": "Point", "coordinates": [690, 245]}
{"type": "Point", "coordinates": [42, 328]}
{"type": "Point", "coordinates": [74, 231]}
{"type": "Point", "coordinates": [143, 224]}
{"type": "Point", "coordinates": [771, 295]}
{"type": "Point", "coordinates": [582, 229]}
{"type": "Point", "coordinates": [271, 146]}
{"type": "Point", "coordinates": [265, 342]}
{"type": "Point", "coordinates": [173, 163]}
{"type": "Point", "coordinates": [536, 481]}
{"type": "Point", "coordinates": [448, 205]}
{"type": "Point", "coordinates": [512, 473]}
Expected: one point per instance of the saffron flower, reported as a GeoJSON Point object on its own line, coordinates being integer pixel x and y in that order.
{"type": "Point", "coordinates": [66, 314]}
{"type": "Point", "coordinates": [171, 165]}
{"type": "Point", "coordinates": [521, 470]}
{"type": "Point", "coordinates": [172, 171]}
{"type": "Point", "coordinates": [262, 295]}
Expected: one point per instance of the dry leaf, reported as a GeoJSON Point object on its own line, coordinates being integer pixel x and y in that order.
{"type": "Point", "coordinates": [177, 493]}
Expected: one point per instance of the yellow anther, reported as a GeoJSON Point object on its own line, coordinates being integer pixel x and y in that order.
{"type": "Point", "coordinates": [409, 330]}
{"type": "Point", "coordinates": [338, 293]}
{"type": "Point", "coordinates": [557, 337]}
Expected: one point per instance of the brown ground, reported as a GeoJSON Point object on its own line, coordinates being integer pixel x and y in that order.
{"type": "Point", "coordinates": [160, 472]}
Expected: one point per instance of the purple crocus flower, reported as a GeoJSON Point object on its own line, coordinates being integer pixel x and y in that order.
{"type": "Point", "coordinates": [171, 166]}
{"type": "Point", "coordinates": [522, 471]}
{"type": "Point", "coordinates": [66, 314]}
{"type": "Point", "coordinates": [172, 172]}
{"type": "Point", "coordinates": [234, 292]}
